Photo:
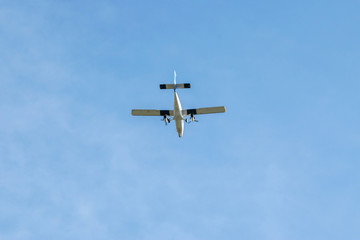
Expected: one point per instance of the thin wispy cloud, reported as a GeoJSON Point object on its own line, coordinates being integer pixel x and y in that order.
{"type": "Point", "coordinates": [279, 164]}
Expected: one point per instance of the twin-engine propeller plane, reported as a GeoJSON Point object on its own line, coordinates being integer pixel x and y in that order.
{"type": "Point", "coordinates": [179, 115]}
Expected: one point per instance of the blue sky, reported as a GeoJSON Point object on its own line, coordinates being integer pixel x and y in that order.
{"type": "Point", "coordinates": [281, 163]}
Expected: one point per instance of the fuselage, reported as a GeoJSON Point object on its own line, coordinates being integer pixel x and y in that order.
{"type": "Point", "coordinates": [179, 120]}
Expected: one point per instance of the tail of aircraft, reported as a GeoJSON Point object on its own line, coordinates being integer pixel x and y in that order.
{"type": "Point", "coordinates": [175, 85]}
{"type": "Point", "coordinates": [174, 77]}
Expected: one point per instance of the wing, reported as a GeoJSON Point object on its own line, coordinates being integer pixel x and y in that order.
{"type": "Point", "coordinates": [151, 112]}
{"type": "Point", "coordinates": [208, 110]}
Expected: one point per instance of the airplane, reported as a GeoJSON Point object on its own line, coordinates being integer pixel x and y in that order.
{"type": "Point", "coordinates": [178, 114]}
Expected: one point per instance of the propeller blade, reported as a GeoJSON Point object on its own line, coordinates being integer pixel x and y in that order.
{"type": "Point", "coordinates": [165, 120]}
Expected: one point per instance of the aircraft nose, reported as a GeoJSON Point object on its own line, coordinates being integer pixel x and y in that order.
{"type": "Point", "coordinates": [180, 135]}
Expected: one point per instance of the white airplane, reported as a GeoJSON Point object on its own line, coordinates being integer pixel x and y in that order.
{"type": "Point", "coordinates": [179, 115]}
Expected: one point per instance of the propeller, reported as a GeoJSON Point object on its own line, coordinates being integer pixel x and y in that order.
{"type": "Point", "coordinates": [166, 120]}
{"type": "Point", "coordinates": [192, 119]}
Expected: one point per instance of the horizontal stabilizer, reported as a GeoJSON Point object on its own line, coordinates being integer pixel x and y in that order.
{"type": "Point", "coordinates": [172, 86]}
{"type": "Point", "coordinates": [208, 110]}
{"type": "Point", "coordinates": [151, 112]}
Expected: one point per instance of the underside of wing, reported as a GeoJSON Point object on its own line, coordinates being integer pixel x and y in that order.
{"type": "Point", "coordinates": [208, 110]}
{"type": "Point", "coordinates": [151, 112]}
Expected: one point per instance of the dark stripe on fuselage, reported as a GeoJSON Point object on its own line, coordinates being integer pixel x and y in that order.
{"type": "Point", "coordinates": [164, 112]}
